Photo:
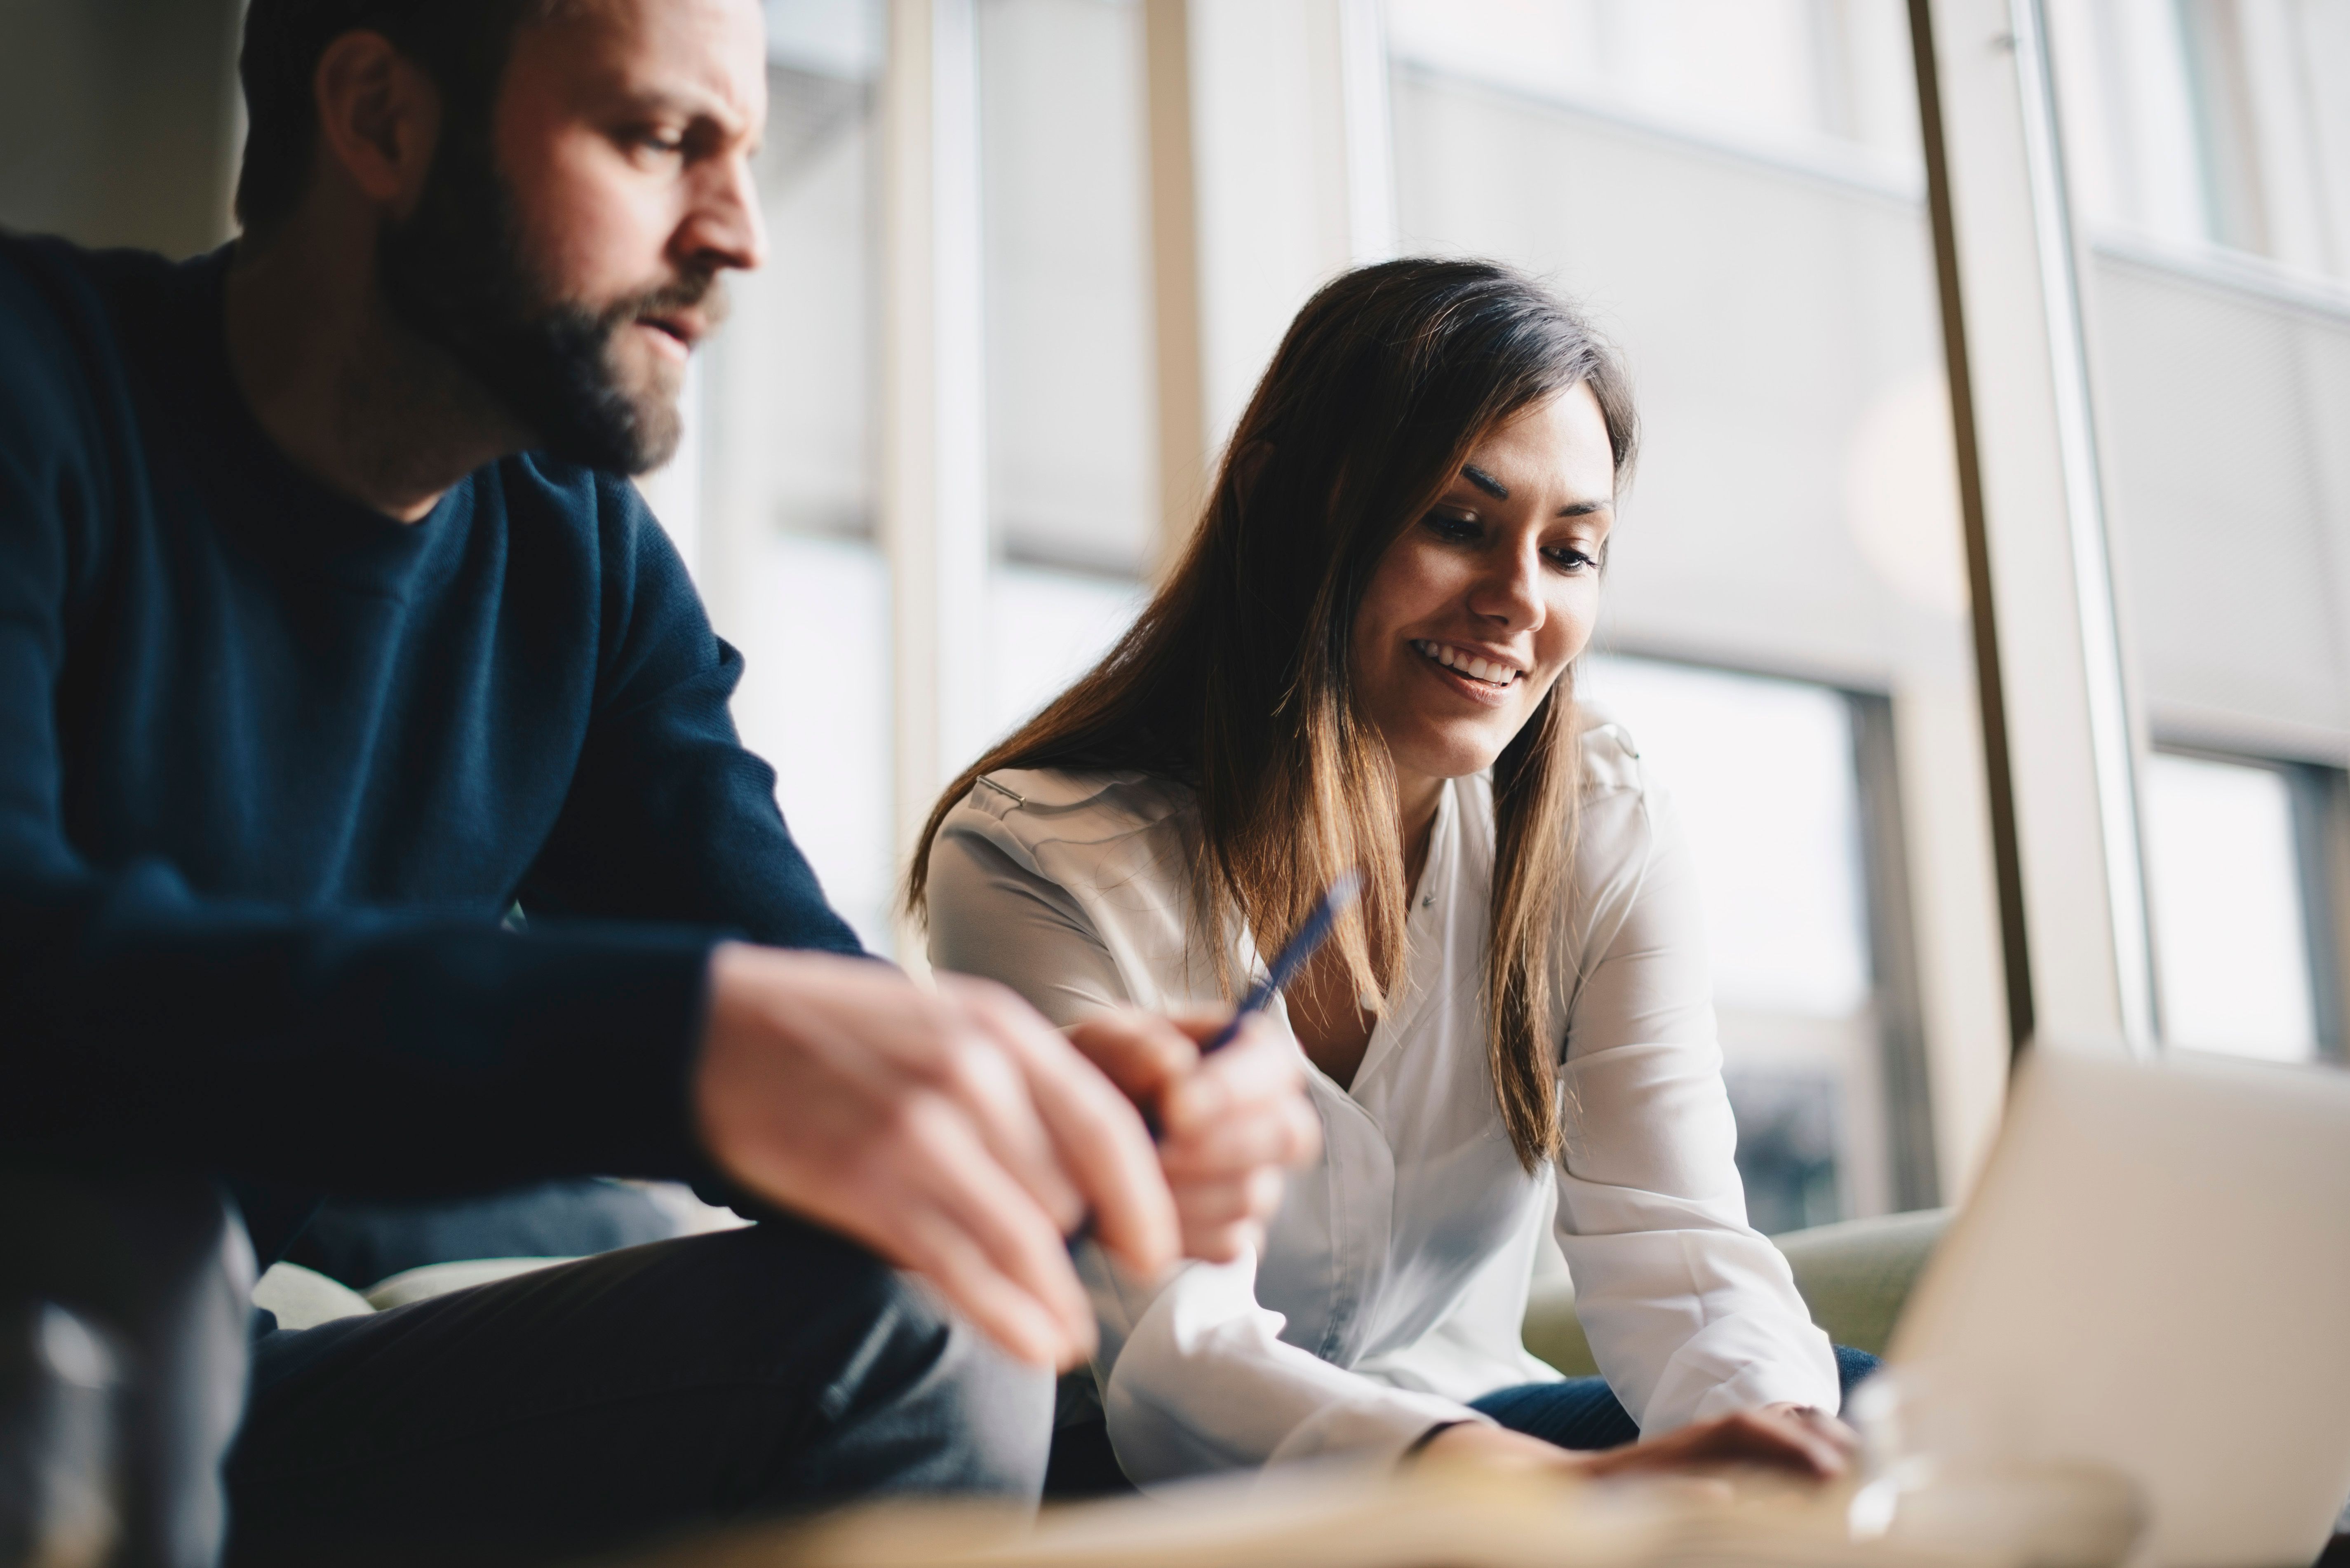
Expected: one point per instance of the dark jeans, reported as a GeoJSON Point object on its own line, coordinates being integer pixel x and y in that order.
{"type": "Point", "coordinates": [648, 1391]}
{"type": "Point", "coordinates": [1583, 1412]}
{"type": "Point", "coordinates": [656, 1388]}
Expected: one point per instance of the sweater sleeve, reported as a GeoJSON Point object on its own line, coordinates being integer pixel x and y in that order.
{"type": "Point", "coordinates": [1692, 1313]}
{"type": "Point", "coordinates": [668, 817]}
{"type": "Point", "coordinates": [365, 1050]}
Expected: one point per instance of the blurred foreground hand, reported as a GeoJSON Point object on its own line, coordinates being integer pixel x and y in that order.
{"type": "Point", "coordinates": [957, 1134]}
{"type": "Point", "coordinates": [1809, 1442]}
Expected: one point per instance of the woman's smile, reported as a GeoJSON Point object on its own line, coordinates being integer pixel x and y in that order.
{"type": "Point", "coordinates": [1483, 681]}
{"type": "Point", "coordinates": [1495, 672]}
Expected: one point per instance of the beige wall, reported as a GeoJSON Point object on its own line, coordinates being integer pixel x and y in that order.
{"type": "Point", "coordinates": [118, 119]}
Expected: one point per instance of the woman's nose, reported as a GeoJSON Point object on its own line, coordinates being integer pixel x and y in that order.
{"type": "Point", "coordinates": [1511, 592]}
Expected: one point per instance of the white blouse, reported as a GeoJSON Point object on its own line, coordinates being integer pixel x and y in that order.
{"type": "Point", "coordinates": [1393, 1282]}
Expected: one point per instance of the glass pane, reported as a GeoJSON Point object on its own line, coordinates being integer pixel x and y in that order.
{"type": "Point", "coordinates": [1779, 849]}
{"type": "Point", "coordinates": [2207, 153]}
{"type": "Point", "coordinates": [1062, 158]}
{"type": "Point", "coordinates": [1050, 627]}
{"type": "Point", "coordinates": [1780, 846]}
{"type": "Point", "coordinates": [788, 562]}
{"type": "Point", "coordinates": [1072, 482]}
{"type": "Point", "coordinates": [2223, 876]}
{"type": "Point", "coordinates": [1734, 189]}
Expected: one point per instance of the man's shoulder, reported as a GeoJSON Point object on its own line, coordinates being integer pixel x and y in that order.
{"type": "Point", "coordinates": [52, 289]}
{"type": "Point", "coordinates": [69, 320]}
{"type": "Point", "coordinates": [601, 513]}
{"type": "Point", "coordinates": [596, 523]}
{"type": "Point", "coordinates": [606, 506]}
{"type": "Point", "coordinates": [52, 307]}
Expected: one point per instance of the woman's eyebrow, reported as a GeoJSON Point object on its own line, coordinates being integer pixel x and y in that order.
{"type": "Point", "coordinates": [1585, 508]}
{"type": "Point", "coordinates": [1484, 482]}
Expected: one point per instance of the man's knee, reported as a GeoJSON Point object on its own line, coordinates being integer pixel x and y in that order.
{"type": "Point", "coordinates": [1002, 1409]}
{"type": "Point", "coordinates": [920, 1401]}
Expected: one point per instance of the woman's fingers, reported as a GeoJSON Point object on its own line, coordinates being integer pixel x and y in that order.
{"type": "Point", "coordinates": [1767, 1437]}
{"type": "Point", "coordinates": [1252, 1196]}
{"type": "Point", "coordinates": [1282, 1134]}
{"type": "Point", "coordinates": [1258, 1070]}
{"type": "Point", "coordinates": [1245, 1108]}
{"type": "Point", "coordinates": [1142, 1053]}
{"type": "Point", "coordinates": [1820, 1424]}
{"type": "Point", "coordinates": [1222, 1218]}
{"type": "Point", "coordinates": [1775, 1438]}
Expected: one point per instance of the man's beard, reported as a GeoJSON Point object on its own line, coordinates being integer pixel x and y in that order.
{"type": "Point", "coordinates": [455, 274]}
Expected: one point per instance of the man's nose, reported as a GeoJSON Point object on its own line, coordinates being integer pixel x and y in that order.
{"type": "Point", "coordinates": [724, 227]}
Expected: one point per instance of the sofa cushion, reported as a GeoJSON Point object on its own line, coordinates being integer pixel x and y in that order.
{"type": "Point", "coordinates": [1857, 1276]}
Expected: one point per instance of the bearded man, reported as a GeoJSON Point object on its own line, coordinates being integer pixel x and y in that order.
{"type": "Point", "coordinates": [371, 822]}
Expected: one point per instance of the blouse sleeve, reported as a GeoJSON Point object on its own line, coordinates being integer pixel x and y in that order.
{"type": "Point", "coordinates": [992, 917]}
{"type": "Point", "coordinates": [1690, 1312]}
{"type": "Point", "coordinates": [1193, 1373]}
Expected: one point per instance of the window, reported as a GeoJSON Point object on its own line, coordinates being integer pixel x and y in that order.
{"type": "Point", "coordinates": [2234, 858]}
{"type": "Point", "coordinates": [1734, 191]}
{"type": "Point", "coordinates": [2206, 151]}
{"type": "Point", "coordinates": [1073, 513]}
{"type": "Point", "coordinates": [785, 552]}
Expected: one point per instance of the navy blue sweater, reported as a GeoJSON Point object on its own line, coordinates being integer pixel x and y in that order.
{"type": "Point", "coordinates": [274, 769]}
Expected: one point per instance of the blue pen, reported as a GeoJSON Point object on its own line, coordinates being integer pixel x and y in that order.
{"type": "Point", "coordinates": [1335, 901]}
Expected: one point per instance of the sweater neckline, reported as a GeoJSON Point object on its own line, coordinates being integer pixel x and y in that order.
{"type": "Point", "coordinates": [304, 521]}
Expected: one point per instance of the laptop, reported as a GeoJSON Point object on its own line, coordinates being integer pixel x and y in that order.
{"type": "Point", "coordinates": [2155, 1273]}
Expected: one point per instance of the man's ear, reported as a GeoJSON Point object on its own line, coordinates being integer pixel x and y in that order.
{"type": "Point", "coordinates": [378, 119]}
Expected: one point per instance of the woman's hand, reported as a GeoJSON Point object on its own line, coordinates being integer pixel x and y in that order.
{"type": "Point", "coordinates": [1795, 1437]}
{"type": "Point", "coordinates": [1798, 1438]}
{"type": "Point", "coordinates": [1229, 1125]}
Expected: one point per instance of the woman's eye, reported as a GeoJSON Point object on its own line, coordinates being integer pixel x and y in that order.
{"type": "Point", "coordinates": [1566, 557]}
{"type": "Point", "coordinates": [1447, 526]}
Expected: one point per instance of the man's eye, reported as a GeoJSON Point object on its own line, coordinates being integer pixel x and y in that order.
{"type": "Point", "coordinates": [666, 146]}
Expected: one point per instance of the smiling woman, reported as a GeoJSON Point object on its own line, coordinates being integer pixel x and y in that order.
{"type": "Point", "coordinates": [1364, 660]}
{"type": "Point", "coordinates": [1266, 671]}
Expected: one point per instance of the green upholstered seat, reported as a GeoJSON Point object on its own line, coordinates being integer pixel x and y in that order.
{"type": "Point", "coordinates": [1855, 1276]}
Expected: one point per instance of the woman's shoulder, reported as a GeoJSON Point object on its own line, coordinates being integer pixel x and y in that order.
{"type": "Point", "coordinates": [1610, 756]}
{"type": "Point", "coordinates": [1028, 809]}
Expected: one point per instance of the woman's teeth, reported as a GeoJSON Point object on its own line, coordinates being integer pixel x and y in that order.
{"type": "Point", "coordinates": [1460, 663]}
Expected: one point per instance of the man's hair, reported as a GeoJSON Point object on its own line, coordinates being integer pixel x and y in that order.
{"type": "Point", "coordinates": [462, 44]}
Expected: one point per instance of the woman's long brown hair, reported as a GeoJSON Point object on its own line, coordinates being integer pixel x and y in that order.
{"type": "Point", "coordinates": [1237, 680]}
